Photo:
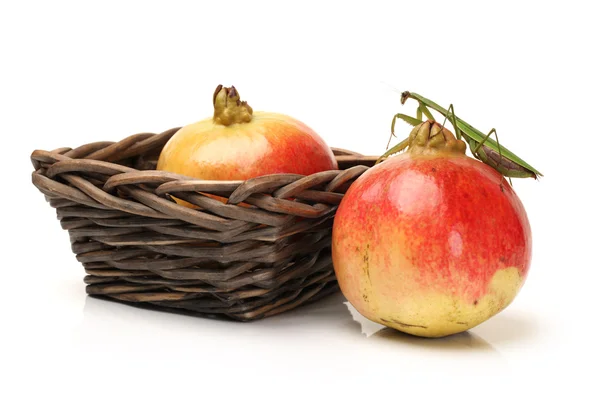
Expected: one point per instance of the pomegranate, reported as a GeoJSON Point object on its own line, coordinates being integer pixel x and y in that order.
{"type": "Point", "coordinates": [238, 143]}
{"type": "Point", "coordinates": [431, 242]}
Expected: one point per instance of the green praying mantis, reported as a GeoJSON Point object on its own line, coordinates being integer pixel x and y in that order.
{"type": "Point", "coordinates": [482, 146]}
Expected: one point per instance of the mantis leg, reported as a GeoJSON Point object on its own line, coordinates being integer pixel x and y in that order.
{"type": "Point", "coordinates": [486, 138]}
{"type": "Point", "coordinates": [450, 113]}
{"type": "Point", "coordinates": [406, 118]}
{"type": "Point", "coordinates": [396, 149]}
{"type": "Point", "coordinates": [392, 134]}
{"type": "Point", "coordinates": [426, 111]}
{"type": "Point", "coordinates": [478, 147]}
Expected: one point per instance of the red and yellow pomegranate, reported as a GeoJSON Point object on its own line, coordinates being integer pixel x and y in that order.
{"type": "Point", "coordinates": [238, 144]}
{"type": "Point", "coordinates": [431, 242]}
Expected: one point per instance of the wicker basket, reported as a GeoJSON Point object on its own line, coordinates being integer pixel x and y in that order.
{"type": "Point", "coordinates": [265, 251]}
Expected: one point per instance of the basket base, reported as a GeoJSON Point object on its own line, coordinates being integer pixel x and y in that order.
{"type": "Point", "coordinates": [270, 309]}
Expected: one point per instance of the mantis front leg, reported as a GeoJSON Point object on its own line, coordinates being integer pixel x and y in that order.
{"type": "Point", "coordinates": [406, 118]}
{"type": "Point", "coordinates": [396, 149]}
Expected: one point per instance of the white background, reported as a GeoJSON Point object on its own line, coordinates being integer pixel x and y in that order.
{"type": "Point", "coordinates": [76, 72]}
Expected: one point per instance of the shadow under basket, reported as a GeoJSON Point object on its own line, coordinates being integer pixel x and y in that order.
{"type": "Point", "coordinates": [250, 250]}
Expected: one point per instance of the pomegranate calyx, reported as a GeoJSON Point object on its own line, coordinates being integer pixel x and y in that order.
{"type": "Point", "coordinates": [229, 109]}
{"type": "Point", "coordinates": [431, 137]}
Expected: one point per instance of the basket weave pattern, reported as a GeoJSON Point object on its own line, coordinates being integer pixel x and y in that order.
{"type": "Point", "coordinates": [261, 250]}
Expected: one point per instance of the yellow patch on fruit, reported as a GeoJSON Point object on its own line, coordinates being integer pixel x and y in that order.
{"type": "Point", "coordinates": [435, 315]}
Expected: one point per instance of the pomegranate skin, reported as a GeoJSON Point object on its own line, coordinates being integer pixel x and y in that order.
{"type": "Point", "coordinates": [431, 245]}
{"type": "Point", "coordinates": [271, 143]}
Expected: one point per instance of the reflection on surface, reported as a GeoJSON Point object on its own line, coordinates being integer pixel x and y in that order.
{"type": "Point", "coordinates": [458, 341]}
{"type": "Point", "coordinates": [509, 326]}
{"type": "Point", "coordinates": [331, 318]}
